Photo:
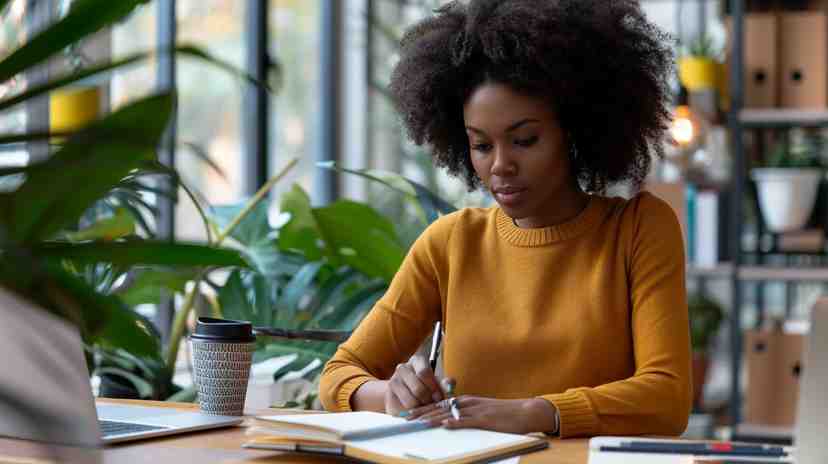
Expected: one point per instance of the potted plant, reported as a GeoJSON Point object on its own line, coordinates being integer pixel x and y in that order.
{"type": "Point", "coordinates": [705, 318]}
{"type": "Point", "coordinates": [787, 186]}
{"type": "Point", "coordinates": [699, 67]}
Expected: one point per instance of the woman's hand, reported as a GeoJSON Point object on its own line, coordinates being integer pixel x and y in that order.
{"type": "Point", "coordinates": [412, 385]}
{"type": "Point", "coordinates": [511, 416]}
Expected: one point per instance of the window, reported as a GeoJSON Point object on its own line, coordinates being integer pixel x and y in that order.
{"type": "Point", "coordinates": [294, 132]}
{"type": "Point", "coordinates": [210, 105]}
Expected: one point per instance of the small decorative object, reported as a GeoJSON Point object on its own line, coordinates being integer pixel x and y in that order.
{"type": "Point", "coordinates": [787, 187]}
{"type": "Point", "coordinates": [71, 108]}
{"type": "Point", "coordinates": [699, 67]}
{"type": "Point", "coordinates": [705, 318]}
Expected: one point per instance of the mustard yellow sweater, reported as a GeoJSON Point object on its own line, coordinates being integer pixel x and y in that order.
{"type": "Point", "coordinates": [590, 315]}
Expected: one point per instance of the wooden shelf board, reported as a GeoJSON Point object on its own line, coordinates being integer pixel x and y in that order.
{"type": "Point", "coordinates": [759, 273]}
{"type": "Point", "coordinates": [721, 270]}
{"type": "Point", "coordinates": [773, 117]}
{"type": "Point", "coordinates": [807, 274]}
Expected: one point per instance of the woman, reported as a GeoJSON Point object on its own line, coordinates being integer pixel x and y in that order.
{"type": "Point", "coordinates": [564, 310]}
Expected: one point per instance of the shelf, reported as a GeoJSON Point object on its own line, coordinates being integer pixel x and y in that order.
{"type": "Point", "coordinates": [813, 274]}
{"type": "Point", "coordinates": [721, 271]}
{"type": "Point", "coordinates": [758, 118]}
{"type": "Point", "coordinates": [761, 273]}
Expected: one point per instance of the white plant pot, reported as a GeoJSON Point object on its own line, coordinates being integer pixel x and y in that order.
{"type": "Point", "coordinates": [786, 196]}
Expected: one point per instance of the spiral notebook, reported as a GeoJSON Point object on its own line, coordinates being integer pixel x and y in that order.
{"type": "Point", "coordinates": [382, 438]}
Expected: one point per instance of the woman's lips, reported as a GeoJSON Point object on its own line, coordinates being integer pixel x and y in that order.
{"type": "Point", "coordinates": [510, 197]}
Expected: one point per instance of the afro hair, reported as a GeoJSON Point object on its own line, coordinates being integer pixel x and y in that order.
{"type": "Point", "coordinates": [601, 65]}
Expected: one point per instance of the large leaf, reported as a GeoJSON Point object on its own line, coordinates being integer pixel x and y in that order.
{"type": "Point", "coordinates": [120, 224]}
{"type": "Point", "coordinates": [143, 252]}
{"type": "Point", "coordinates": [306, 352]}
{"type": "Point", "coordinates": [84, 19]}
{"type": "Point", "coordinates": [149, 284]}
{"type": "Point", "coordinates": [300, 233]}
{"type": "Point", "coordinates": [300, 285]}
{"type": "Point", "coordinates": [332, 290]}
{"type": "Point", "coordinates": [347, 313]}
{"type": "Point", "coordinates": [268, 260]}
{"type": "Point", "coordinates": [90, 165]}
{"type": "Point", "coordinates": [253, 228]}
{"type": "Point", "coordinates": [361, 237]}
{"type": "Point", "coordinates": [233, 299]}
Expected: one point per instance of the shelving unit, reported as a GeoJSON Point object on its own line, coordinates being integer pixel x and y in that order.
{"type": "Point", "coordinates": [738, 271]}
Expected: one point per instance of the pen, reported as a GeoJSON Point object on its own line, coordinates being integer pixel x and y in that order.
{"type": "Point", "coordinates": [698, 449]}
{"type": "Point", "coordinates": [435, 346]}
{"type": "Point", "coordinates": [436, 340]}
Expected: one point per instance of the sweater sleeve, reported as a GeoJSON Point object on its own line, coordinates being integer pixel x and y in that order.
{"type": "Point", "coordinates": [396, 325]}
{"type": "Point", "coordinates": [657, 398]}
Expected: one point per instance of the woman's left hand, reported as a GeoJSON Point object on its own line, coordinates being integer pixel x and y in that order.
{"type": "Point", "coordinates": [511, 416]}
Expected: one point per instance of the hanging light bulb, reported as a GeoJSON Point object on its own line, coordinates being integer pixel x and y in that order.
{"type": "Point", "coordinates": [686, 127]}
{"type": "Point", "coordinates": [684, 150]}
{"type": "Point", "coordinates": [682, 129]}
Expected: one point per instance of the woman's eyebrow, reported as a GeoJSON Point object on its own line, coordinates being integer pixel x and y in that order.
{"type": "Point", "coordinates": [520, 123]}
{"type": "Point", "coordinates": [511, 128]}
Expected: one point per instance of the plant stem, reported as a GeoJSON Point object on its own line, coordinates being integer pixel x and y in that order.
{"type": "Point", "coordinates": [180, 321]}
{"type": "Point", "coordinates": [255, 200]}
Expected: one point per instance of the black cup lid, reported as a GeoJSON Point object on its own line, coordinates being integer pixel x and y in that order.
{"type": "Point", "coordinates": [211, 329]}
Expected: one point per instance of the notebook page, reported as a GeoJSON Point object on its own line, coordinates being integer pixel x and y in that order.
{"type": "Point", "coordinates": [341, 422]}
{"type": "Point", "coordinates": [439, 443]}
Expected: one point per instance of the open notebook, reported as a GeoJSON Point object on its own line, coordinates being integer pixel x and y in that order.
{"type": "Point", "coordinates": [383, 438]}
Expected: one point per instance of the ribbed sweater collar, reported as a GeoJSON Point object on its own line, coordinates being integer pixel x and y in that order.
{"type": "Point", "coordinates": [541, 236]}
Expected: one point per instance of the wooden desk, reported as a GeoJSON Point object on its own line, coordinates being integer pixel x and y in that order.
{"type": "Point", "coordinates": [222, 445]}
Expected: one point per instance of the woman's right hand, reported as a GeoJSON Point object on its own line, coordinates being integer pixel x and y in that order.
{"type": "Point", "coordinates": [413, 384]}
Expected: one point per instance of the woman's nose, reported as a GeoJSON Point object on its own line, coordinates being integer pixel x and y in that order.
{"type": "Point", "coordinates": [503, 165]}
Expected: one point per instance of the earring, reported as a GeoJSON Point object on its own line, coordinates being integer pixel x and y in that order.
{"type": "Point", "coordinates": [573, 148]}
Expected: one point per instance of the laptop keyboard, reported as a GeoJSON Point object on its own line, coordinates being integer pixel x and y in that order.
{"type": "Point", "coordinates": [114, 428]}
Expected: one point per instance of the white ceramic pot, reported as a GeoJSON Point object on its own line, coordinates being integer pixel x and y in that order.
{"type": "Point", "coordinates": [786, 196]}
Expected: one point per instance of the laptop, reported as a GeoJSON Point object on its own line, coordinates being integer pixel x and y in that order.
{"type": "Point", "coordinates": [810, 445]}
{"type": "Point", "coordinates": [45, 394]}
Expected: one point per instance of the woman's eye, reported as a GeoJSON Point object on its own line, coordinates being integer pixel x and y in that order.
{"type": "Point", "coordinates": [482, 147]}
{"type": "Point", "coordinates": [526, 142]}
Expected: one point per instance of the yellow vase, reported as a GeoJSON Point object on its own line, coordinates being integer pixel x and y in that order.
{"type": "Point", "coordinates": [72, 108]}
{"type": "Point", "coordinates": [697, 73]}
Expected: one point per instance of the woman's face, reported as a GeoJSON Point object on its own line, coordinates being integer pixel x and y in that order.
{"type": "Point", "coordinates": [521, 154]}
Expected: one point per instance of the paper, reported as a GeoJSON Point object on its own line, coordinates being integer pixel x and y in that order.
{"type": "Point", "coordinates": [440, 443]}
{"type": "Point", "coordinates": [340, 422]}
{"type": "Point", "coordinates": [514, 460]}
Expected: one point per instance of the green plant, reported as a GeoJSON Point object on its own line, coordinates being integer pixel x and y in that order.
{"type": "Point", "coordinates": [705, 318]}
{"type": "Point", "coordinates": [93, 179]}
{"type": "Point", "coordinates": [702, 47]}
{"type": "Point", "coordinates": [333, 263]}
{"type": "Point", "coordinates": [95, 274]}
{"type": "Point", "coordinates": [803, 151]}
